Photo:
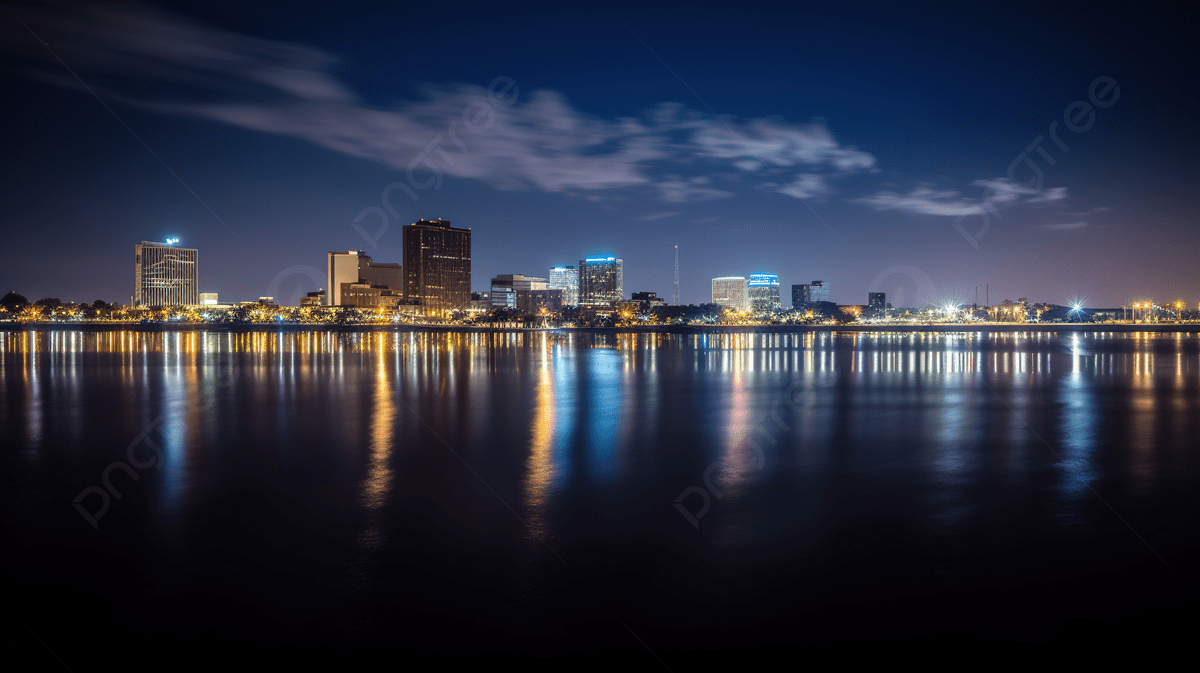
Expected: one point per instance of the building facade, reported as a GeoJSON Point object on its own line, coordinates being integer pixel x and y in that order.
{"type": "Point", "coordinates": [800, 296]}
{"type": "Point", "coordinates": [367, 295]}
{"type": "Point", "coordinates": [648, 299]}
{"type": "Point", "coordinates": [537, 302]}
{"type": "Point", "coordinates": [165, 275]}
{"type": "Point", "coordinates": [763, 293]}
{"type": "Point", "coordinates": [601, 281]}
{"type": "Point", "coordinates": [507, 289]}
{"type": "Point", "coordinates": [382, 274]}
{"type": "Point", "coordinates": [354, 267]}
{"type": "Point", "coordinates": [819, 291]}
{"type": "Point", "coordinates": [730, 292]}
{"type": "Point", "coordinates": [806, 294]}
{"type": "Point", "coordinates": [437, 266]}
{"type": "Point", "coordinates": [876, 301]}
{"type": "Point", "coordinates": [528, 295]}
{"type": "Point", "coordinates": [566, 278]}
{"type": "Point", "coordinates": [343, 267]}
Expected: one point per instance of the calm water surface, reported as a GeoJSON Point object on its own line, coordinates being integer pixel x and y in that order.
{"type": "Point", "coordinates": [516, 492]}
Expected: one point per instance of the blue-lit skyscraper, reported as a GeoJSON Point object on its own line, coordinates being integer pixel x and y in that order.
{"type": "Point", "coordinates": [601, 281]}
{"type": "Point", "coordinates": [763, 291]}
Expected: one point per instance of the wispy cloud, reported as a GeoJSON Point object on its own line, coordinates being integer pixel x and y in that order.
{"type": "Point", "coordinates": [997, 192]}
{"type": "Point", "coordinates": [806, 186]}
{"type": "Point", "coordinates": [1063, 227]}
{"type": "Point", "coordinates": [541, 142]}
{"type": "Point", "coordinates": [657, 216]}
{"type": "Point", "coordinates": [1093, 211]}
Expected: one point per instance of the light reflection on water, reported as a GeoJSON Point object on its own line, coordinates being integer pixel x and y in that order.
{"type": "Point", "coordinates": [610, 387]}
{"type": "Point", "coordinates": [589, 437]}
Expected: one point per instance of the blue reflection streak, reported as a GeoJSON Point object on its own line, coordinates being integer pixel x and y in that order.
{"type": "Point", "coordinates": [566, 400]}
{"type": "Point", "coordinates": [1077, 429]}
{"type": "Point", "coordinates": [603, 413]}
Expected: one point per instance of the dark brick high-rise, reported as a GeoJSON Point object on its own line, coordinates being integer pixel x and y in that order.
{"type": "Point", "coordinates": [437, 266]}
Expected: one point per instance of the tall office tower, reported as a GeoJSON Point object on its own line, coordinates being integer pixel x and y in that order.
{"type": "Point", "coordinates": [876, 301]}
{"type": "Point", "coordinates": [164, 275]}
{"type": "Point", "coordinates": [601, 281]}
{"type": "Point", "coordinates": [343, 267]}
{"type": "Point", "coordinates": [763, 292]}
{"type": "Point", "coordinates": [801, 296]}
{"type": "Point", "coordinates": [730, 291]}
{"type": "Point", "coordinates": [677, 275]}
{"type": "Point", "coordinates": [437, 266]}
{"type": "Point", "coordinates": [566, 278]}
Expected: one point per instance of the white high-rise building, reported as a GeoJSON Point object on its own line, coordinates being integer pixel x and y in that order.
{"type": "Point", "coordinates": [730, 291]}
{"type": "Point", "coordinates": [566, 278]}
{"type": "Point", "coordinates": [165, 275]}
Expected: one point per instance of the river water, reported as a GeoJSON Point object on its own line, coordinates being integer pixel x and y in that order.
{"type": "Point", "coordinates": [313, 493]}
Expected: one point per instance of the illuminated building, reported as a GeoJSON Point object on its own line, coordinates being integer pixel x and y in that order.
{"type": "Point", "coordinates": [763, 293]}
{"type": "Point", "coordinates": [566, 278]}
{"type": "Point", "coordinates": [508, 290]}
{"type": "Point", "coordinates": [730, 292]}
{"type": "Point", "coordinates": [342, 268]}
{"type": "Point", "coordinates": [437, 266]}
{"type": "Point", "coordinates": [367, 295]}
{"type": "Point", "coordinates": [601, 281]}
{"type": "Point", "coordinates": [353, 267]}
{"type": "Point", "coordinates": [535, 302]}
{"type": "Point", "coordinates": [811, 293]}
{"type": "Point", "coordinates": [876, 301]}
{"type": "Point", "coordinates": [648, 299]}
{"type": "Point", "coordinates": [800, 296]}
{"type": "Point", "coordinates": [164, 275]}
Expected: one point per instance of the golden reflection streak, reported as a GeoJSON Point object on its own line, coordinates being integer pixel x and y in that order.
{"type": "Point", "coordinates": [539, 467]}
{"type": "Point", "coordinates": [378, 485]}
{"type": "Point", "coordinates": [738, 457]}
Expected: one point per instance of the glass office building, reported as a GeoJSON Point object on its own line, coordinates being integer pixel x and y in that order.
{"type": "Point", "coordinates": [601, 282]}
{"type": "Point", "coordinates": [566, 278]}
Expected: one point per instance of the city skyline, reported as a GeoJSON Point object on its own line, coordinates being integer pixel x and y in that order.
{"type": "Point", "coordinates": [921, 177]}
{"type": "Point", "coordinates": [669, 336]}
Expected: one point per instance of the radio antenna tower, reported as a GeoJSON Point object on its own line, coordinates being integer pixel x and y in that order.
{"type": "Point", "coordinates": [677, 275]}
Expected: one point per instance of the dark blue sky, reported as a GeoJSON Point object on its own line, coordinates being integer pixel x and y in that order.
{"type": "Point", "coordinates": [842, 144]}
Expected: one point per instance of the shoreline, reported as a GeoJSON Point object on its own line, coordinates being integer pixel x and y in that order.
{"type": "Point", "coordinates": [649, 329]}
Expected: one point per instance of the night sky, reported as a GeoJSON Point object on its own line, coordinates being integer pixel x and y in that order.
{"type": "Point", "coordinates": [836, 143]}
